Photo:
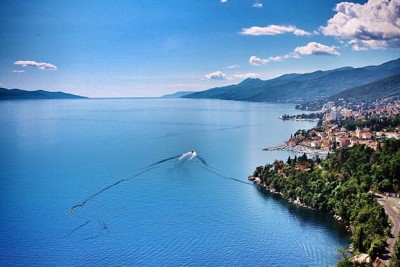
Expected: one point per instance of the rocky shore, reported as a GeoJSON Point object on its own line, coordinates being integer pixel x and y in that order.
{"type": "Point", "coordinates": [261, 184]}
{"type": "Point", "coordinates": [297, 202]}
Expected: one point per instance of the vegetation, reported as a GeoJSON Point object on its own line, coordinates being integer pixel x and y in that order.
{"type": "Point", "coordinates": [341, 184]}
{"type": "Point", "coordinates": [374, 122]}
{"type": "Point", "coordinates": [395, 262]}
{"type": "Point", "coordinates": [304, 116]}
{"type": "Point", "coordinates": [384, 88]}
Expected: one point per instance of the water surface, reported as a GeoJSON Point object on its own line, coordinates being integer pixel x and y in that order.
{"type": "Point", "coordinates": [56, 153]}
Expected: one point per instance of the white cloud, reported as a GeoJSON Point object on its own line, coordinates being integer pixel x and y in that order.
{"type": "Point", "coordinates": [359, 45]}
{"type": "Point", "coordinates": [256, 61]}
{"type": "Point", "coordinates": [373, 25]}
{"type": "Point", "coordinates": [274, 30]}
{"type": "Point", "coordinates": [216, 75]}
{"type": "Point", "coordinates": [246, 75]}
{"type": "Point", "coordinates": [314, 48]}
{"type": "Point", "coordinates": [224, 1]}
{"type": "Point", "coordinates": [18, 71]}
{"type": "Point", "coordinates": [278, 58]}
{"type": "Point", "coordinates": [39, 65]}
{"type": "Point", "coordinates": [258, 5]}
{"type": "Point", "coordinates": [233, 67]}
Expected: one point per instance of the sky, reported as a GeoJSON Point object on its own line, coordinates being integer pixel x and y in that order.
{"type": "Point", "coordinates": [146, 48]}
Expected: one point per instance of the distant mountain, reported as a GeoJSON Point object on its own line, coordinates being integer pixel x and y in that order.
{"type": "Point", "coordinates": [178, 94]}
{"type": "Point", "coordinates": [15, 94]}
{"type": "Point", "coordinates": [301, 87]}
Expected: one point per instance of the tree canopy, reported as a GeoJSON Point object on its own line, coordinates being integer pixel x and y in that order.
{"type": "Point", "coordinates": [341, 184]}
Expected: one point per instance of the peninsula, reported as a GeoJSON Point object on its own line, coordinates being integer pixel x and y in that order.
{"type": "Point", "coordinates": [18, 94]}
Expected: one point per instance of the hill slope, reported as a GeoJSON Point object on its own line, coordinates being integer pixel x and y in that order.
{"type": "Point", "coordinates": [301, 87]}
{"type": "Point", "coordinates": [384, 88]}
{"type": "Point", "coordinates": [15, 94]}
{"type": "Point", "coordinates": [388, 87]}
{"type": "Point", "coordinates": [177, 94]}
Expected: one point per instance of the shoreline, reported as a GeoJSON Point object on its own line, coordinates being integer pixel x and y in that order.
{"type": "Point", "coordinates": [298, 149]}
{"type": "Point", "coordinates": [257, 181]}
{"type": "Point", "coordinates": [299, 119]}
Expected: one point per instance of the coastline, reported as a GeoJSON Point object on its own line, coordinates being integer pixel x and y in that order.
{"type": "Point", "coordinates": [298, 119]}
{"type": "Point", "coordinates": [289, 181]}
{"type": "Point", "coordinates": [298, 149]}
{"type": "Point", "coordinates": [257, 181]}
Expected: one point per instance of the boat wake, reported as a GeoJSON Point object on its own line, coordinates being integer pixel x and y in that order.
{"type": "Point", "coordinates": [178, 159]}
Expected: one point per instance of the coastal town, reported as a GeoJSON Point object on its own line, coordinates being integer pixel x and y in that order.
{"type": "Point", "coordinates": [345, 125]}
{"type": "Point", "coordinates": [359, 137]}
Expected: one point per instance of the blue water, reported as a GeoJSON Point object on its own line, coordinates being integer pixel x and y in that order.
{"type": "Point", "coordinates": [56, 153]}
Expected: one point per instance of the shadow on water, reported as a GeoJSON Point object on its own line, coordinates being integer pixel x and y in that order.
{"type": "Point", "coordinates": [307, 216]}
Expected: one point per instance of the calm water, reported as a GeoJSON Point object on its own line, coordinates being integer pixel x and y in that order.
{"type": "Point", "coordinates": [55, 154]}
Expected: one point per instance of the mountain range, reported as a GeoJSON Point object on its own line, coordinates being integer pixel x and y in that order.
{"type": "Point", "coordinates": [301, 87]}
{"type": "Point", "coordinates": [14, 94]}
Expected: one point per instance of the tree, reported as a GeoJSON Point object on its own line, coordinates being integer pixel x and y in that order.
{"type": "Point", "coordinates": [395, 262]}
{"type": "Point", "coordinates": [289, 161]}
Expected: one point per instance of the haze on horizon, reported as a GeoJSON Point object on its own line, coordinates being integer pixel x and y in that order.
{"type": "Point", "coordinates": [151, 48]}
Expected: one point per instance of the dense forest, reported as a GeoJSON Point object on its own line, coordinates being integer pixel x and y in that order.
{"type": "Point", "coordinates": [342, 184]}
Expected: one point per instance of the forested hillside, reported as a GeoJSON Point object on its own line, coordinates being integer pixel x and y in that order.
{"type": "Point", "coordinates": [389, 87]}
{"type": "Point", "coordinates": [342, 184]}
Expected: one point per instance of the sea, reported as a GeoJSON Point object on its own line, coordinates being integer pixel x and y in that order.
{"type": "Point", "coordinates": [113, 182]}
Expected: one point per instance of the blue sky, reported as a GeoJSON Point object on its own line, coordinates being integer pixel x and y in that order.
{"type": "Point", "coordinates": [141, 48]}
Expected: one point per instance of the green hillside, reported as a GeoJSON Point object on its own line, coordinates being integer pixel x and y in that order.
{"type": "Point", "coordinates": [389, 87]}
{"type": "Point", "coordinates": [385, 88]}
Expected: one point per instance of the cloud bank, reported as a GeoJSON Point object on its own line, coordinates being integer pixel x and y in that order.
{"type": "Point", "coordinates": [373, 25]}
{"type": "Point", "coordinates": [39, 65]}
{"type": "Point", "coordinates": [251, 75]}
{"type": "Point", "coordinates": [312, 48]}
{"type": "Point", "coordinates": [274, 30]}
{"type": "Point", "coordinates": [218, 75]}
